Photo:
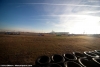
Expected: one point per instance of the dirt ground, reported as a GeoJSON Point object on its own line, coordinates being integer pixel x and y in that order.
{"type": "Point", "coordinates": [24, 49]}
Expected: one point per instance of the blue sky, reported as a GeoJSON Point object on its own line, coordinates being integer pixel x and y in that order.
{"type": "Point", "coordinates": [74, 16]}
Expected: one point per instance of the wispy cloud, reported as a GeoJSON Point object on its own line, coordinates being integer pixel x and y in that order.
{"type": "Point", "coordinates": [72, 15]}
{"type": "Point", "coordinates": [39, 19]}
{"type": "Point", "coordinates": [91, 12]}
{"type": "Point", "coordinates": [78, 5]}
{"type": "Point", "coordinates": [93, 0]}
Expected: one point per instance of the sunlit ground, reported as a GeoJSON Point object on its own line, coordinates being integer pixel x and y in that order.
{"type": "Point", "coordinates": [24, 49]}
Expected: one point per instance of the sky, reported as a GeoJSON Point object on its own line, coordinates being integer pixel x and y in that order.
{"type": "Point", "coordinates": [73, 16]}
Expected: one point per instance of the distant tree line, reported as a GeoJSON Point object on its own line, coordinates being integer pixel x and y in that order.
{"type": "Point", "coordinates": [12, 33]}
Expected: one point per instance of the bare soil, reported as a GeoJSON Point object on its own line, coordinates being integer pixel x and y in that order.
{"type": "Point", "coordinates": [24, 49]}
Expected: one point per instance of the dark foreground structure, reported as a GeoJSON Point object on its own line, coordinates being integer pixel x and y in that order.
{"type": "Point", "coordinates": [76, 59]}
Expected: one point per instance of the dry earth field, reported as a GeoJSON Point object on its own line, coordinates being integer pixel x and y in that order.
{"type": "Point", "coordinates": [24, 49]}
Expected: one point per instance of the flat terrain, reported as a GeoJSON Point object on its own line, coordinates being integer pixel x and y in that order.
{"type": "Point", "coordinates": [24, 49]}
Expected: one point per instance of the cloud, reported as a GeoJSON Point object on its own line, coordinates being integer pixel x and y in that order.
{"type": "Point", "coordinates": [74, 22]}
{"type": "Point", "coordinates": [91, 12]}
{"type": "Point", "coordinates": [71, 14]}
{"type": "Point", "coordinates": [39, 19]}
{"type": "Point", "coordinates": [93, 0]}
{"type": "Point", "coordinates": [78, 5]}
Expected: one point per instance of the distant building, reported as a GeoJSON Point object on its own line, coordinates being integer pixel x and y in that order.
{"type": "Point", "coordinates": [60, 33]}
